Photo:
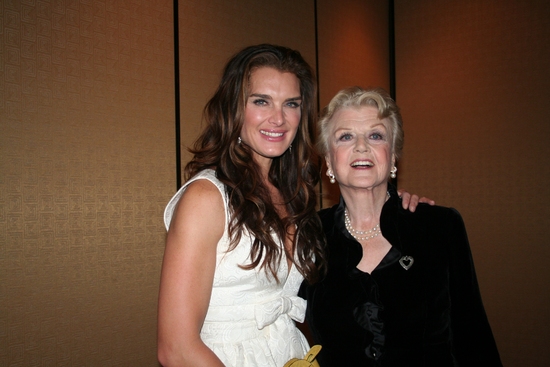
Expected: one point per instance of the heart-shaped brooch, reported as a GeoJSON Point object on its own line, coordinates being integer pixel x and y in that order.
{"type": "Point", "coordinates": [406, 262]}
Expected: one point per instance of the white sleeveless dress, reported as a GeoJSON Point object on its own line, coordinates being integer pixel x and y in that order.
{"type": "Point", "coordinates": [250, 317]}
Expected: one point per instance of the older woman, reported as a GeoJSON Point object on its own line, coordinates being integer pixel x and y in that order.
{"type": "Point", "coordinates": [401, 288]}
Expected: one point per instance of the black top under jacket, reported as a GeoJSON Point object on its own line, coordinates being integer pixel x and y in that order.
{"type": "Point", "coordinates": [429, 315]}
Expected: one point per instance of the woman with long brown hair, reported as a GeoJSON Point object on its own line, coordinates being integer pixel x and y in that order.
{"type": "Point", "coordinates": [243, 231]}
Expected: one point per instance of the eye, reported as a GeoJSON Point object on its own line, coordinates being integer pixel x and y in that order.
{"type": "Point", "coordinates": [377, 136]}
{"type": "Point", "coordinates": [260, 102]}
{"type": "Point", "coordinates": [345, 137]}
{"type": "Point", "coordinates": [293, 104]}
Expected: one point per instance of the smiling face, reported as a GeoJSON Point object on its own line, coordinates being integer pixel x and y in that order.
{"type": "Point", "coordinates": [272, 114]}
{"type": "Point", "coordinates": [360, 151]}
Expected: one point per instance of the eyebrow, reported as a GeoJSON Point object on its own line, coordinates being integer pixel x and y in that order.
{"type": "Point", "coordinates": [340, 129]}
{"type": "Point", "coordinates": [267, 96]}
{"type": "Point", "coordinates": [380, 124]}
{"type": "Point", "coordinates": [335, 132]}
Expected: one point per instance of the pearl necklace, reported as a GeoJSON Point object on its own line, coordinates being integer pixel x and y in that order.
{"type": "Point", "coordinates": [361, 235]}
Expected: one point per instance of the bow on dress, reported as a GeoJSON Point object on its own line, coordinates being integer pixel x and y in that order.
{"type": "Point", "coordinates": [267, 313]}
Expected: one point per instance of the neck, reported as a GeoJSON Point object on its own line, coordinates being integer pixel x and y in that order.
{"type": "Point", "coordinates": [264, 165]}
{"type": "Point", "coordinates": [364, 206]}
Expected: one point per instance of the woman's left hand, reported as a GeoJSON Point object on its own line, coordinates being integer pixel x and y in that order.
{"type": "Point", "coordinates": [411, 201]}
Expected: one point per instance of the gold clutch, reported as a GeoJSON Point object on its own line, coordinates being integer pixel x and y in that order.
{"type": "Point", "coordinates": [308, 361]}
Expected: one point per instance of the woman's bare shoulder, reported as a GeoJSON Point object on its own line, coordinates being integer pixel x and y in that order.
{"type": "Point", "coordinates": [201, 205]}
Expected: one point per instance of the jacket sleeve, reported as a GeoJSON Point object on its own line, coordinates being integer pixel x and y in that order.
{"type": "Point", "coordinates": [473, 340]}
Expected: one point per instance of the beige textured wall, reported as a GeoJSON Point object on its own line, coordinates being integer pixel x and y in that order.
{"type": "Point", "coordinates": [86, 165]}
{"type": "Point", "coordinates": [473, 83]}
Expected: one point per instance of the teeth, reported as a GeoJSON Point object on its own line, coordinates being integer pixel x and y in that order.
{"type": "Point", "coordinates": [362, 163]}
{"type": "Point", "coordinates": [273, 135]}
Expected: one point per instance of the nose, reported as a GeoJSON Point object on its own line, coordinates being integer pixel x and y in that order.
{"type": "Point", "coordinates": [361, 144]}
{"type": "Point", "coordinates": [277, 117]}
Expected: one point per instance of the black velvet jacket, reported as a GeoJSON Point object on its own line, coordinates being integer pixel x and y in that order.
{"type": "Point", "coordinates": [428, 315]}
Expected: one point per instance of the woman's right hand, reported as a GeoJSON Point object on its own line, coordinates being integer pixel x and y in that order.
{"type": "Point", "coordinates": [411, 201]}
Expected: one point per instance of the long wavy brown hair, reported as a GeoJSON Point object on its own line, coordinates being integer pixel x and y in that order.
{"type": "Point", "coordinates": [294, 174]}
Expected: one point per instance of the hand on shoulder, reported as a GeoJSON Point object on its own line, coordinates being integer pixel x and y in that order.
{"type": "Point", "coordinates": [411, 201]}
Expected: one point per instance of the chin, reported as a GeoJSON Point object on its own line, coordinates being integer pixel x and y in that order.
{"type": "Point", "coordinates": [274, 153]}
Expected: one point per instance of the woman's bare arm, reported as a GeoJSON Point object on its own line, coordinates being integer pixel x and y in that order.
{"type": "Point", "coordinates": [187, 275]}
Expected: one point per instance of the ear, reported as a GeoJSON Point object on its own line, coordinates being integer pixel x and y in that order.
{"type": "Point", "coordinates": [327, 161]}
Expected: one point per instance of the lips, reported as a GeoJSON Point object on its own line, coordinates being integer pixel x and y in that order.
{"type": "Point", "coordinates": [362, 164]}
{"type": "Point", "coordinates": [271, 134]}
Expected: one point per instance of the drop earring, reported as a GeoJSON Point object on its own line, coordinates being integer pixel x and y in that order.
{"type": "Point", "coordinates": [330, 175]}
{"type": "Point", "coordinates": [393, 173]}
{"type": "Point", "coordinates": [239, 140]}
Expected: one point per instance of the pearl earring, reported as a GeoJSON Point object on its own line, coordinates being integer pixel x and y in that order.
{"type": "Point", "coordinates": [330, 174]}
{"type": "Point", "coordinates": [239, 140]}
{"type": "Point", "coordinates": [393, 173]}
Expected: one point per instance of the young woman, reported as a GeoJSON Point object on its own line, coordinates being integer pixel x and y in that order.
{"type": "Point", "coordinates": [243, 231]}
